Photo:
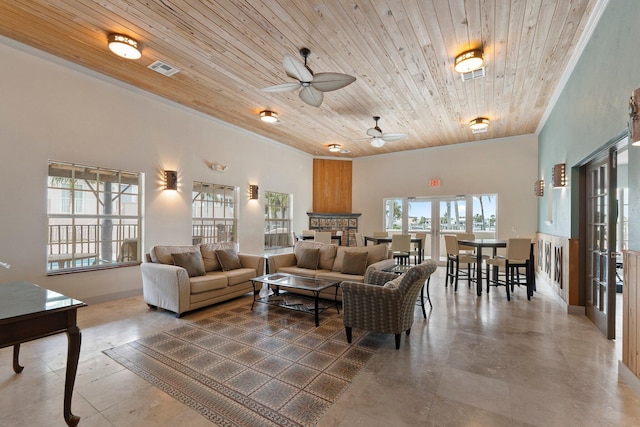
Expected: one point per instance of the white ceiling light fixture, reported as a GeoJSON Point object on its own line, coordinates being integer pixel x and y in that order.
{"type": "Point", "coordinates": [124, 46]}
{"type": "Point", "coordinates": [334, 148]}
{"type": "Point", "coordinates": [479, 124]}
{"type": "Point", "coordinates": [469, 61]}
{"type": "Point", "coordinates": [268, 116]}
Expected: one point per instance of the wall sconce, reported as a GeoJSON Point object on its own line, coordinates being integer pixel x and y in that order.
{"type": "Point", "coordinates": [634, 123]}
{"type": "Point", "coordinates": [538, 188]}
{"type": "Point", "coordinates": [170, 180]}
{"type": "Point", "coordinates": [559, 175]}
{"type": "Point", "coordinates": [253, 192]}
{"type": "Point", "coordinates": [469, 61]}
{"type": "Point", "coordinates": [268, 116]}
{"type": "Point", "coordinates": [124, 46]}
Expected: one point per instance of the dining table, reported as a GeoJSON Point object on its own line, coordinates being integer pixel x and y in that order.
{"type": "Point", "coordinates": [387, 239]}
{"type": "Point", "coordinates": [494, 244]}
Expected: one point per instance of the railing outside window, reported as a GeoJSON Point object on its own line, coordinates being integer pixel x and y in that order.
{"type": "Point", "coordinates": [277, 220]}
{"type": "Point", "coordinates": [214, 213]}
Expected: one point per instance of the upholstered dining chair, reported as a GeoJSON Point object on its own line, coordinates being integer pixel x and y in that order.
{"type": "Point", "coordinates": [359, 239]}
{"type": "Point", "coordinates": [516, 257]}
{"type": "Point", "coordinates": [322, 236]}
{"type": "Point", "coordinates": [380, 234]}
{"type": "Point", "coordinates": [388, 308]}
{"type": "Point", "coordinates": [454, 259]}
{"type": "Point", "coordinates": [401, 247]}
{"type": "Point", "coordinates": [415, 252]}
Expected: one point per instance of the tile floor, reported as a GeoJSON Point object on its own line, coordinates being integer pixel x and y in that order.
{"type": "Point", "coordinates": [474, 361]}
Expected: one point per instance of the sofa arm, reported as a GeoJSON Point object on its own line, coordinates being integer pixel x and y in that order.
{"type": "Point", "coordinates": [166, 286]}
{"type": "Point", "coordinates": [379, 278]}
{"type": "Point", "coordinates": [252, 261]}
{"type": "Point", "coordinates": [379, 266]}
{"type": "Point", "coordinates": [281, 260]}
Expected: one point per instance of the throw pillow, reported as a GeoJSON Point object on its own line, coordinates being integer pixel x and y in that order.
{"type": "Point", "coordinates": [190, 261]}
{"type": "Point", "coordinates": [228, 259]}
{"type": "Point", "coordinates": [309, 258]}
{"type": "Point", "coordinates": [354, 263]}
{"type": "Point", "coordinates": [395, 283]}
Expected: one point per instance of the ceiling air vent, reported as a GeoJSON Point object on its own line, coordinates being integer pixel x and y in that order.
{"type": "Point", "coordinates": [163, 68]}
{"type": "Point", "coordinates": [472, 75]}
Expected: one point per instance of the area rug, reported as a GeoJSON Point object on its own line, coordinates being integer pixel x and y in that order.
{"type": "Point", "coordinates": [261, 367]}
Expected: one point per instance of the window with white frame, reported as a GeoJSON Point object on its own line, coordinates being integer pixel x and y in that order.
{"type": "Point", "coordinates": [93, 217]}
{"type": "Point", "coordinates": [214, 213]}
{"type": "Point", "coordinates": [277, 219]}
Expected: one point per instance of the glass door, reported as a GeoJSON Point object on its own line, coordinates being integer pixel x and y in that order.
{"type": "Point", "coordinates": [601, 204]}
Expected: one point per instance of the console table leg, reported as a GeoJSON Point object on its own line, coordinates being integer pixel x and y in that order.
{"type": "Point", "coordinates": [16, 364]}
{"type": "Point", "coordinates": [73, 355]}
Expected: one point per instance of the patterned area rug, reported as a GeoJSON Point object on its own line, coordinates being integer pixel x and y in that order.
{"type": "Point", "coordinates": [269, 366]}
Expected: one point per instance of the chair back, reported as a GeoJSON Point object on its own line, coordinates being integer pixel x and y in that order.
{"type": "Point", "coordinates": [307, 232]}
{"type": "Point", "coordinates": [451, 244]}
{"type": "Point", "coordinates": [466, 236]}
{"type": "Point", "coordinates": [401, 242]}
{"type": "Point", "coordinates": [518, 249]}
{"type": "Point", "coordinates": [294, 238]}
{"type": "Point", "coordinates": [322, 236]}
{"type": "Point", "coordinates": [359, 239]}
{"type": "Point", "coordinates": [380, 234]}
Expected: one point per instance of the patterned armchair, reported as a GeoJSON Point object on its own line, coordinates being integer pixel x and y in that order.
{"type": "Point", "coordinates": [379, 306]}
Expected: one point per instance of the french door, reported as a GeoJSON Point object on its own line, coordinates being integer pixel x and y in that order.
{"type": "Point", "coordinates": [601, 218]}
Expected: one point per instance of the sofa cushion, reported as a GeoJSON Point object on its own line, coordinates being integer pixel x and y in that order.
{"type": "Point", "coordinates": [327, 252]}
{"type": "Point", "coordinates": [209, 282]}
{"type": "Point", "coordinates": [309, 258]}
{"type": "Point", "coordinates": [339, 277]}
{"type": "Point", "coordinates": [209, 254]}
{"type": "Point", "coordinates": [395, 283]}
{"type": "Point", "coordinates": [190, 261]}
{"type": "Point", "coordinates": [354, 262]}
{"type": "Point", "coordinates": [240, 275]}
{"type": "Point", "coordinates": [162, 254]}
{"type": "Point", "coordinates": [228, 259]}
{"type": "Point", "coordinates": [305, 272]}
{"type": "Point", "coordinates": [375, 253]}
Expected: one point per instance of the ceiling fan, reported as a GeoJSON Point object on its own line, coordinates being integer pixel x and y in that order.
{"type": "Point", "coordinates": [378, 138]}
{"type": "Point", "coordinates": [313, 85]}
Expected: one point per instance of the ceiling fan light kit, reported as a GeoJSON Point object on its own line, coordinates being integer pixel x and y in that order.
{"type": "Point", "coordinates": [469, 61]}
{"type": "Point", "coordinates": [268, 116]}
{"type": "Point", "coordinates": [124, 46]}
{"type": "Point", "coordinates": [312, 86]}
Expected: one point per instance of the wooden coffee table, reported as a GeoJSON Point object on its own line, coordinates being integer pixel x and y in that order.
{"type": "Point", "coordinates": [288, 298]}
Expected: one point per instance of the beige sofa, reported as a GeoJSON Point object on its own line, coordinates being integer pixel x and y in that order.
{"type": "Point", "coordinates": [199, 279]}
{"type": "Point", "coordinates": [331, 262]}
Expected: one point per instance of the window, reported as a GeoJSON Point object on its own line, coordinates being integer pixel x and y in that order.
{"type": "Point", "coordinates": [277, 219]}
{"type": "Point", "coordinates": [393, 213]}
{"type": "Point", "coordinates": [94, 217]}
{"type": "Point", "coordinates": [214, 216]}
{"type": "Point", "coordinates": [484, 213]}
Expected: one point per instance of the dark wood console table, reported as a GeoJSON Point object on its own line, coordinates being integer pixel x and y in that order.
{"type": "Point", "coordinates": [29, 312]}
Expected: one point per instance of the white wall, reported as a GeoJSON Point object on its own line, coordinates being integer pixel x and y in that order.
{"type": "Point", "coordinates": [51, 109]}
{"type": "Point", "coordinates": [506, 167]}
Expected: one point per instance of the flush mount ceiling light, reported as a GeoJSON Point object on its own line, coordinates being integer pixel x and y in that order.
{"type": "Point", "coordinates": [479, 124]}
{"type": "Point", "coordinates": [334, 148]}
{"type": "Point", "coordinates": [469, 61]}
{"type": "Point", "coordinates": [268, 116]}
{"type": "Point", "coordinates": [124, 46]}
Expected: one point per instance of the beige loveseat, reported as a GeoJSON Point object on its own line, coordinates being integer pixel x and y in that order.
{"type": "Point", "coordinates": [334, 262]}
{"type": "Point", "coordinates": [206, 274]}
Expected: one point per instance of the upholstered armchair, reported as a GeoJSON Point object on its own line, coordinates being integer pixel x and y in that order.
{"type": "Point", "coordinates": [384, 303]}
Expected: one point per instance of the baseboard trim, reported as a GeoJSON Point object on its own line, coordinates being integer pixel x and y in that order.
{"type": "Point", "coordinates": [629, 377]}
{"type": "Point", "coordinates": [112, 297]}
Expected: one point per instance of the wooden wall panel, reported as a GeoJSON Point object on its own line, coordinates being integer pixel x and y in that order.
{"type": "Point", "coordinates": [331, 186]}
{"type": "Point", "coordinates": [630, 304]}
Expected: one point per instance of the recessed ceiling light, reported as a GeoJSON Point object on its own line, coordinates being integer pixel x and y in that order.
{"type": "Point", "coordinates": [469, 61]}
{"type": "Point", "coordinates": [124, 46]}
{"type": "Point", "coordinates": [268, 116]}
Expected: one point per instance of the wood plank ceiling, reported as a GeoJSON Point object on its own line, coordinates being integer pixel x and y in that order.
{"type": "Point", "coordinates": [401, 52]}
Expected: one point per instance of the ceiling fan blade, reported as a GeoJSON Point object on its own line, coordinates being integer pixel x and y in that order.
{"type": "Point", "coordinates": [326, 82]}
{"type": "Point", "coordinates": [296, 69]}
{"type": "Point", "coordinates": [394, 136]}
{"type": "Point", "coordinates": [284, 87]}
{"type": "Point", "coordinates": [374, 132]}
{"type": "Point", "coordinates": [311, 96]}
{"type": "Point", "coordinates": [377, 142]}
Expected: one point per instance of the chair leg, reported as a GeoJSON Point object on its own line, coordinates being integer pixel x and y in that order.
{"type": "Point", "coordinates": [408, 331]}
{"type": "Point", "coordinates": [347, 329]}
{"type": "Point", "coordinates": [424, 313]}
{"type": "Point", "coordinates": [397, 341]}
{"type": "Point", "coordinates": [457, 274]}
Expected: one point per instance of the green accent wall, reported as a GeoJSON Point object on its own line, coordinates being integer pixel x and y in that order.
{"type": "Point", "coordinates": [591, 110]}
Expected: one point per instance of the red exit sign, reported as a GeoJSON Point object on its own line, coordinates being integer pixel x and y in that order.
{"type": "Point", "coordinates": [434, 183]}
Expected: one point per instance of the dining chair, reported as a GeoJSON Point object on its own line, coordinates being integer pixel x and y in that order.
{"type": "Point", "coordinates": [322, 236]}
{"type": "Point", "coordinates": [454, 259]}
{"type": "Point", "coordinates": [516, 257]}
{"type": "Point", "coordinates": [401, 248]}
{"type": "Point", "coordinates": [294, 238]}
{"type": "Point", "coordinates": [307, 233]}
{"type": "Point", "coordinates": [380, 234]}
{"type": "Point", "coordinates": [359, 239]}
{"type": "Point", "coordinates": [415, 252]}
